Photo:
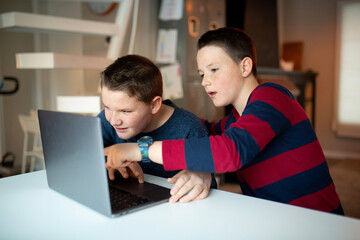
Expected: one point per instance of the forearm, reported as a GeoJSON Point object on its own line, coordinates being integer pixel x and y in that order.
{"type": "Point", "coordinates": [121, 155]}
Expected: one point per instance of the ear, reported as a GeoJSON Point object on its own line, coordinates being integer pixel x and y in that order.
{"type": "Point", "coordinates": [156, 104]}
{"type": "Point", "coordinates": [246, 66]}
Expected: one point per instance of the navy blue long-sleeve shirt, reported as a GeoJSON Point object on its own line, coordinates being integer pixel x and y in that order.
{"type": "Point", "coordinates": [182, 124]}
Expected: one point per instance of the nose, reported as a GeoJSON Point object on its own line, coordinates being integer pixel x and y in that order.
{"type": "Point", "coordinates": [205, 81]}
{"type": "Point", "coordinates": [114, 119]}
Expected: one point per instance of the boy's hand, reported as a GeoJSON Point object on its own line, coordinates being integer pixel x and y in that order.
{"type": "Point", "coordinates": [133, 170]}
{"type": "Point", "coordinates": [189, 186]}
{"type": "Point", "coordinates": [121, 155]}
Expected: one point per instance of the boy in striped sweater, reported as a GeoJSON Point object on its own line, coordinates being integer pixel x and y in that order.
{"type": "Point", "coordinates": [267, 138]}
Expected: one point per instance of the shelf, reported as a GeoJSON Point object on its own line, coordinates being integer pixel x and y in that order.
{"type": "Point", "coordinates": [50, 60]}
{"type": "Point", "coordinates": [90, 105]}
{"type": "Point", "coordinates": [29, 22]}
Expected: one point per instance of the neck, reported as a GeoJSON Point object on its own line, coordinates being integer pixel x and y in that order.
{"type": "Point", "coordinates": [160, 117]}
{"type": "Point", "coordinates": [249, 85]}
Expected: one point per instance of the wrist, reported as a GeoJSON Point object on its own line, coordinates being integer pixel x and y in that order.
{"type": "Point", "coordinates": [135, 153]}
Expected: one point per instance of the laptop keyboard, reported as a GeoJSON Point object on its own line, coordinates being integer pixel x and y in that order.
{"type": "Point", "coordinates": [123, 200]}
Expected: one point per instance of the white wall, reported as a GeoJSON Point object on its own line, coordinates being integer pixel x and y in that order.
{"type": "Point", "coordinates": [21, 102]}
{"type": "Point", "coordinates": [145, 40]}
{"type": "Point", "coordinates": [38, 88]}
{"type": "Point", "coordinates": [314, 23]}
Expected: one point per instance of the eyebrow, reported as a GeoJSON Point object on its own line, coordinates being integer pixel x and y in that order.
{"type": "Point", "coordinates": [208, 66]}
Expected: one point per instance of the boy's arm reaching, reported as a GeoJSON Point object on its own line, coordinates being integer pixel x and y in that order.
{"type": "Point", "coordinates": [121, 155]}
{"type": "Point", "coordinates": [188, 185]}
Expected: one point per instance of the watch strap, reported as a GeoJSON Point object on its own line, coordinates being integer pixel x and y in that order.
{"type": "Point", "coordinates": [144, 143]}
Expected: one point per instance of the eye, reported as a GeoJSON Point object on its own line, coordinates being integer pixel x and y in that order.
{"type": "Point", "coordinates": [201, 73]}
{"type": "Point", "coordinates": [214, 70]}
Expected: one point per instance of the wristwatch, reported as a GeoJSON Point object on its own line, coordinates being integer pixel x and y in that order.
{"type": "Point", "coordinates": [144, 144]}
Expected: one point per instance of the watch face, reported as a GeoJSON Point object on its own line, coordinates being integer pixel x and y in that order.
{"type": "Point", "coordinates": [145, 139]}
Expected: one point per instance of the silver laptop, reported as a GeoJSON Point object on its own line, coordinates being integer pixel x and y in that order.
{"type": "Point", "coordinates": [75, 167]}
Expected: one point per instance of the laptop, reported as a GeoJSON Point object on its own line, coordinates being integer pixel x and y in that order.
{"type": "Point", "coordinates": [75, 167]}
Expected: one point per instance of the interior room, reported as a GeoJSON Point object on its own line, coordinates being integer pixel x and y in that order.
{"type": "Point", "coordinates": [52, 52]}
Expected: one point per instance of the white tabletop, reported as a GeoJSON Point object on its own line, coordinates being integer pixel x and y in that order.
{"type": "Point", "coordinates": [30, 210]}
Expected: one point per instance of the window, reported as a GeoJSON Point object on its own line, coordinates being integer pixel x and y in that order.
{"type": "Point", "coordinates": [347, 75]}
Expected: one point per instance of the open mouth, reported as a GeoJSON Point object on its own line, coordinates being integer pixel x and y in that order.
{"type": "Point", "coordinates": [211, 94]}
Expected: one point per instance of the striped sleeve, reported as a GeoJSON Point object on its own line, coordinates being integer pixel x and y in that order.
{"type": "Point", "coordinates": [267, 114]}
{"type": "Point", "coordinates": [216, 128]}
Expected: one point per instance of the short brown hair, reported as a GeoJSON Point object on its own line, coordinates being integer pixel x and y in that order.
{"type": "Point", "coordinates": [134, 74]}
{"type": "Point", "coordinates": [235, 42]}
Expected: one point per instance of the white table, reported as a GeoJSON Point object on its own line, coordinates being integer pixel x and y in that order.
{"type": "Point", "coordinates": [30, 210]}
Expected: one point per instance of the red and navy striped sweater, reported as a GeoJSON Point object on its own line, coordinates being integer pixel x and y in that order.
{"type": "Point", "coordinates": [273, 148]}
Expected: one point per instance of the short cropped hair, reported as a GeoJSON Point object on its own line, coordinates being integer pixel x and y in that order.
{"type": "Point", "coordinates": [136, 75]}
{"type": "Point", "coordinates": [235, 42]}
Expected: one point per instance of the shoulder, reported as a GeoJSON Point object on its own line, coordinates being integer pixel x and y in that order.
{"type": "Point", "coordinates": [275, 103]}
{"type": "Point", "coordinates": [269, 89]}
{"type": "Point", "coordinates": [271, 94]}
{"type": "Point", "coordinates": [185, 121]}
{"type": "Point", "coordinates": [182, 114]}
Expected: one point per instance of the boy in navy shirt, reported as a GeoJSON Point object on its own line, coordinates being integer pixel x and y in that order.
{"type": "Point", "coordinates": [131, 90]}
